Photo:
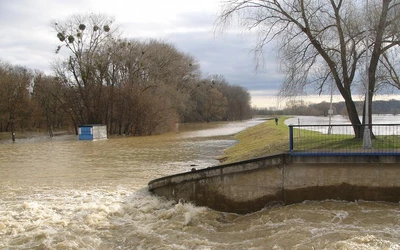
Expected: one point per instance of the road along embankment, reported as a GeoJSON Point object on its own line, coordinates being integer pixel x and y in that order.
{"type": "Point", "coordinates": [248, 186]}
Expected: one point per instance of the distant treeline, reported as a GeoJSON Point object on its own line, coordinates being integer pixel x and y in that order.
{"type": "Point", "coordinates": [321, 109]}
{"type": "Point", "coordinates": [144, 89]}
{"type": "Point", "coordinates": [134, 87]}
{"type": "Point", "coordinates": [31, 100]}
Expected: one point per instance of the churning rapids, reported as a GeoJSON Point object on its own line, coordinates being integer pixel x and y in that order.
{"type": "Point", "coordinates": [62, 193]}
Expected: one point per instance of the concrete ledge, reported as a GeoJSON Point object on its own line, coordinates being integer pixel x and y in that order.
{"type": "Point", "coordinates": [251, 185]}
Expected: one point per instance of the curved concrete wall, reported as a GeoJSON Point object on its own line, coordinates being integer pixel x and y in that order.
{"type": "Point", "coordinates": [251, 185]}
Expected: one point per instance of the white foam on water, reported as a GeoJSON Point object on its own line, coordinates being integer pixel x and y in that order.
{"type": "Point", "coordinates": [339, 216]}
{"type": "Point", "coordinates": [70, 218]}
{"type": "Point", "coordinates": [102, 202]}
{"type": "Point", "coordinates": [363, 242]}
{"type": "Point", "coordinates": [121, 218]}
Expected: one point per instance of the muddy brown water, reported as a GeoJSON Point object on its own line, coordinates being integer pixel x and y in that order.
{"type": "Point", "coordinates": [62, 193]}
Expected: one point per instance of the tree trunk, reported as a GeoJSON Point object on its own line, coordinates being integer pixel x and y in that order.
{"type": "Point", "coordinates": [353, 117]}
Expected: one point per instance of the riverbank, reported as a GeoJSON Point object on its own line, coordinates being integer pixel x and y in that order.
{"type": "Point", "coordinates": [264, 139]}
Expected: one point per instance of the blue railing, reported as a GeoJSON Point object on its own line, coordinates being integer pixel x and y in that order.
{"type": "Point", "coordinates": [337, 140]}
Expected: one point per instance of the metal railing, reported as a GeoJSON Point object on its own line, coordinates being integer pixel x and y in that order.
{"type": "Point", "coordinates": [340, 140]}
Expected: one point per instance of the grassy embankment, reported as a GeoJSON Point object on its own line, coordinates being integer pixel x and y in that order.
{"type": "Point", "coordinates": [268, 138]}
{"type": "Point", "coordinates": [263, 139]}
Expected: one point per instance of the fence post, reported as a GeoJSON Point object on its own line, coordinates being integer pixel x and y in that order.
{"type": "Point", "coordinates": [290, 138]}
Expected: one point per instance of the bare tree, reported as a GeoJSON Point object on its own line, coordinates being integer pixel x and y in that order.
{"type": "Point", "coordinates": [321, 41]}
{"type": "Point", "coordinates": [171, 72]}
{"type": "Point", "coordinates": [214, 106]}
{"type": "Point", "coordinates": [135, 87]}
{"type": "Point", "coordinates": [238, 99]}
{"type": "Point", "coordinates": [150, 90]}
{"type": "Point", "coordinates": [51, 106]}
{"type": "Point", "coordinates": [14, 96]}
{"type": "Point", "coordinates": [89, 40]}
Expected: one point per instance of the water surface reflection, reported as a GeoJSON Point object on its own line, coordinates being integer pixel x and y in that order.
{"type": "Point", "coordinates": [118, 160]}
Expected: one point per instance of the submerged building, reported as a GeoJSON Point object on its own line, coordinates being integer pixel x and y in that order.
{"type": "Point", "coordinates": [92, 132]}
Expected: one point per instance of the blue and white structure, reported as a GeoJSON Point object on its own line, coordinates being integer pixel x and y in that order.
{"type": "Point", "coordinates": [92, 132]}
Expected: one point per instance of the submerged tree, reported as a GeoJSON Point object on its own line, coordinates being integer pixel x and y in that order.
{"type": "Point", "coordinates": [135, 87]}
{"type": "Point", "coordinates": [324, 41]}
{"type": "Point", "coordinates": [14, 97]}
{"type": "Point", "coordinates": [86, 37]}
{"type": "Point", "coordinates": [51, 107]}
{"type": "Point", "coordinates": [238, 99]}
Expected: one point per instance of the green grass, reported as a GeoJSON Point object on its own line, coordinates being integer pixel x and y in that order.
{"type": "Point", "coordinates": [268, 138]}
{"type": "Point", "coordinates": [312, 140]}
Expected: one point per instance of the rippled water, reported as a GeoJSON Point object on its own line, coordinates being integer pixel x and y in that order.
{"type": "Point", "coordinates": [68, 194]}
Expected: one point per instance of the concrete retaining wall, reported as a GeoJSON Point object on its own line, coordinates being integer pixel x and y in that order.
{"type": "Point", "coordinates": [251, 185]}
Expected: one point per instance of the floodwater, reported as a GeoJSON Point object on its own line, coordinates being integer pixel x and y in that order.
{"type": "Point", "coordinates": [321, 124]}
{"type": "Point", "coordinates": [339, 119]}
{"type": "Point", "coordinates": [62, 193]}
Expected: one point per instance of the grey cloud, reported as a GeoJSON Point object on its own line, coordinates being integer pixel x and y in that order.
{"type": "Point", "coordinates": [196, 19]}
{"type": "Point", "coordinates": [27, 39]}
{"type": "Point", "coordinates": [231, 57]}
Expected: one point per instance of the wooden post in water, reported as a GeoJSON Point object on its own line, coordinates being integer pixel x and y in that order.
{"type": "Point", "coordinates": [12, 129]}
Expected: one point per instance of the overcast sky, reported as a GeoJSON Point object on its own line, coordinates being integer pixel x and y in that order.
{"type": "Point", "coordinates": [28, 39]}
